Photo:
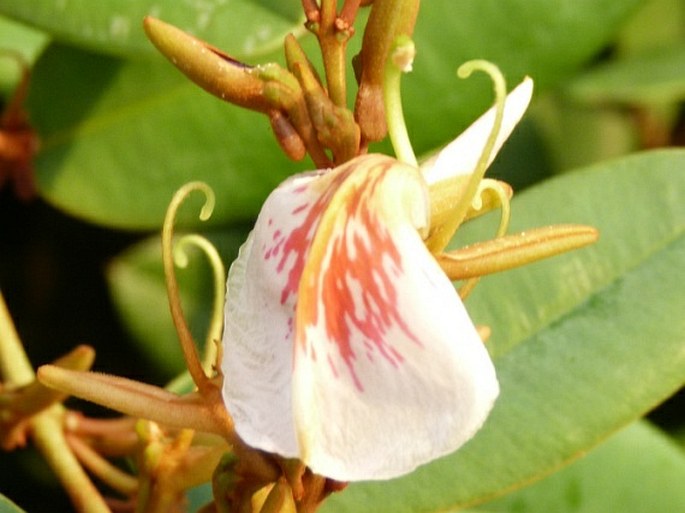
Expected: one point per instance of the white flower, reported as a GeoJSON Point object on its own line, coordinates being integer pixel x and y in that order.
{"type": "Point", "coordinates": [345, 344]}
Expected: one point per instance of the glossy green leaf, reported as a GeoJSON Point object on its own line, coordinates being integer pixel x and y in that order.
{"type": "Point", "coordinates": [544, 39]}
{"type": "Point", "coordinates": [638, 470]}
{"type": "Point", "coordinates": [583, 343]}
{"type": "Point", "coordinates": [119, 138]}
{"type": "Point", "coordinates": [247, 27]}
{"type": "Point", "coordinates": [137, 286]}
{"type": "Point", "coordinates": [657, 77]}
{"type": "Point", "coordinates": [656, 24]}
{"type": "Point", "coordinates": [577, 135]}
{"type": "Point", "coordinates": [27, 42]}
{"type": "Point", "coordinates": [7, 506]}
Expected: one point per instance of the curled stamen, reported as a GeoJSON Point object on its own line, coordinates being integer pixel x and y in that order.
{"type": "Point", "coordinates": [186, 339]}
{"type": "Point", "coordinates": [219, 278]}
{"type": "Point", "coordinates": [441, 238]}
{"type": "Point", "coordinates": [400, 61]}
{"type": "Point", "coordinates": [489, 186]}
{"type": "Point", "coordinates": [501, 196]}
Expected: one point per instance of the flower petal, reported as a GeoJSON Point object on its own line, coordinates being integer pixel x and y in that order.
{"type": "Point", "coordinates": [389, 370]}
{"type": "Point", "coordinates": [461, 155]}
{"type": "Point", "coordinates": [259, 315]}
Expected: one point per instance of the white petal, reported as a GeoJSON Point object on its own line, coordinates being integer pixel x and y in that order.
{"type": "Point", "coordinates": [389, 370]}
{"type": "Point", "coordinates": [461, 155]}
{"type": "Point", "coordinates": [258, 332]}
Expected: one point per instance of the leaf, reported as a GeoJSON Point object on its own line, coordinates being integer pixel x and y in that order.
{"type": "Point", "coordinates": [657, 23]}
{"type": "Point", "coordinates": [247, 27]}
{"type": "Point", "coordinates": [657, 76]}
{"type": "Point", "coordinates": [7, 506]}
{"type": "Point", "coordinates": [652, 471]}
{"type": "Point", "coordinates": [17, 38]}
{"type": "Point", "coordinates": [583, 343]}
{"type": "Point", "coordinates": [539, 38]}
{"type": "Point", "coordinates": [120, 137]}
{"type": "Point", "coordinates": [578, 135]}
{"type": "Point", "coordinates": [136, 283]}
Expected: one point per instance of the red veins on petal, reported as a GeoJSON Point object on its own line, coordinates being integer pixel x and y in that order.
{"type": "Point", "coordinates": [291, 248]}
{"type": "Point", "coordinates": [348, 286]}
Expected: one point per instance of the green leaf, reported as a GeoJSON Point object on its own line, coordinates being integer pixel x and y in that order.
{"type": "Point", "coordinates": [651, 477]}
{"type": "Point", "coordinates": [656, 24]}
{"type": "Point", "coordinates": [120, 137]}
{"type": "Point", "coordinates": [7, 506]}
{"type": "Point", "coordinates": [137, 286]}
{"type": "Point", "coordinates": [583, 343]}
{"type": "Point", "coordinates": [547, 40]}
{"type": "Point", "coordinates": [652, 77]}
{"type": "Point", "coordinates": [578, 135]}
{"type": "Point", "coordinates": [246, 27]}
{"type": "Point", "coordinates": [26, 42]}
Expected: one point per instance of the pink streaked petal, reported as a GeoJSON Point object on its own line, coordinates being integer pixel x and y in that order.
{"type": "Point", "coordinates": [259, 314]}
{"type": "Point", "coordinates": [461, 155]}
{"type": "Point", "coordinates": [389, 370]}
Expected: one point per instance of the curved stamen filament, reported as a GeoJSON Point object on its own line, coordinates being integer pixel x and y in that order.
{"type": "Point", "coordinates": [399, 61]}
{"type": "Point", "coordinates": [188, 347]}
{"type": "Point", "coordinates": [219, 278]}
{"type": "Point", "coordinates": [441, 239]}
{"type": "Point", "coordinates": [503, 200]}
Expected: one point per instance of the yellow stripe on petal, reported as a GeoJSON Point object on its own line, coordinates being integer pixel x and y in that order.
{"type": "Point", "coordinates": [353, 252]}
{"type": "Point", "coordinates": [389, 371]}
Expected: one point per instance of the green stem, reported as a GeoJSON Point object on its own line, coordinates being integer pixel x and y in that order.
{"type": "Point", "coordinates": [47, 428]}
{"type": "Point", "coordinates": [48, 437]}
{"type": "Point", "coordinates": [15, 367]}
{"type": "Point", "coordinates": [399, 61]}
{"type": "Point", "coordinates": [333, 50]}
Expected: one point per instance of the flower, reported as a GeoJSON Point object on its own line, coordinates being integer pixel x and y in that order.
{"type": "Point", "coordinates": [345, 344]}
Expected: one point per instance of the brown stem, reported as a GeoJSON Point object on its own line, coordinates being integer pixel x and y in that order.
{"type": "Point", "coordinates": [388, 20]}
{"type": "Point", "coordinates": [113, 437]}
{"type": "Point", "coordinates": [101, 468]}
{"type": "Point", "coordinates": [311, 10]}
{"type": "Point", "coordinates": [188, 345]}
{"type": "Point", "coordinates": [348, 14]}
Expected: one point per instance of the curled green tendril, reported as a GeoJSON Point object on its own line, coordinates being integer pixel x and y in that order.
{"type": "Point", "coordinates": [503, 199]}
{"type": "Point", "coordinates": [447, 231]}
{"type": "Point", "coordinates": [399, 61]}
{"type": "Point", "coordinates": [188, 346]}
{"type": "Point", "coordinates": [500, 89]}
{"type": "Point", "coordinates": [505, 205]}
{"type": "Point", "coordinates": [219, 278]}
